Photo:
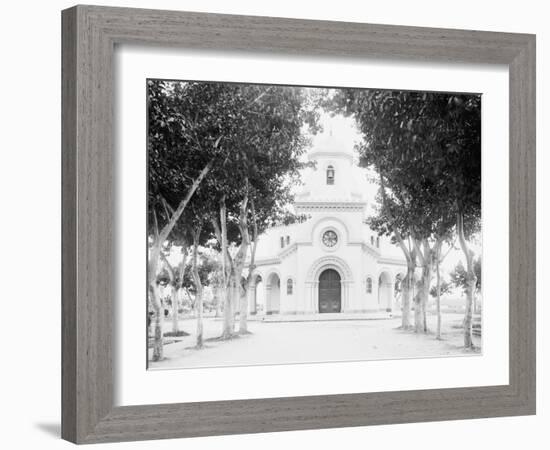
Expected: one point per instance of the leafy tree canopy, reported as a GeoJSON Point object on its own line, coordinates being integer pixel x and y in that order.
{"type": "Point", "coordinates": [426, 149]}
{"type": "Point", "coordinates": [254, 135]}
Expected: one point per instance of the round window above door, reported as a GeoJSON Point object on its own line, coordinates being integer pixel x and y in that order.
{"type": "Point", "coordinates": [330, 238]}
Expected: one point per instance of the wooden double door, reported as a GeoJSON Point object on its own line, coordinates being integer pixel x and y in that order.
{"type": "Point", "coordinates": [330, 292]}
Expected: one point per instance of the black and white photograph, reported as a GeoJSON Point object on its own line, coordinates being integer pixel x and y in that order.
{"type": "Point", "coordinates": [291, 224]}
{"type": "Point", "coordinates": [275, 225]}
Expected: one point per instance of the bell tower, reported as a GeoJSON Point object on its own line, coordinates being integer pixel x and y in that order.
{"type": "Point", "coordinates": [331, 181]}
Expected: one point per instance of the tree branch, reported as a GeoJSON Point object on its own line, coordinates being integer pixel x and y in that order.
{"type": "Point", "coordinates": [181, 207]}
{"type": "Point", "coordinates": [155, 224]}
{"type": "Point", "coordinates": [418, 250]}
{"type": "Point", "coordinates": [167, 208]}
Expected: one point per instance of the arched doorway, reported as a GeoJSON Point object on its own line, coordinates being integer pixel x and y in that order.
{"type": "Point", "coordinates": [385, 291]}
{"type": "Point", "coordinates": [273, 294]}
{"type": "Point", "coordinates": [330, 292]}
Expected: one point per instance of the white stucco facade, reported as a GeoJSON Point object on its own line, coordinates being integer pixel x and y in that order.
{"type": "Point", "coordinates": [295, 264]}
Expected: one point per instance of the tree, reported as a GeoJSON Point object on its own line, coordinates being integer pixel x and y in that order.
{"type": "Point", "coordinates": [440, 288]}
{"type": "Point", "coordinates": [201, 233]}
{"type": "Point", "coordinates": [175, 248]}
{"type": "Point", "coordinates": [173, 277]}
{"type": "Point", "coordinates": [257, 177]}
{"type": "Point", "coordinates": [412, 140]}
{"type": "Point", "coordinates": [178, 291]}
{"type": "Point", "coordinates": [400, 144]}
{"type": "Point", "coordinates": [387, 221]}
{"type": "Point", "coordinates": [462, 144]}
{"type": "Point", "coordinates": [193, 278]}
{"type": "Point", "coordinates": [460, 278]}
{"type": "Point", "coordinates": [198, 282]}
{"type": "Point", "coordinates": [217, 151]}
{"type": "Point", "coordinates": [184, 142]}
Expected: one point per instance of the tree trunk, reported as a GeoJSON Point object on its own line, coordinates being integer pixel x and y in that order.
{"type": "Point", "coordinates": [175, 311]}
{"type": "Point", "coordinates": [232, 267]}
{"type": "Point", "coordinates": [438, 299]}
{"type": "Point", "coordinates": [217, 301]}
{"type": "Point", "coordinates": [178, 292]}
{"type": "Point", "coordinates": [421, 298]}
{"type": "Point", "coordinates": [468, 342]}
{"type": "Point", "coordinates": [158, 320]}
{"type": "Point", "coordinates": [156, 303]}
{"type": "Point", "coordinates": [410, 256]}
{"type": "Point", "coordinates": [425, 255]}
{"type": "Point", "coordinates": [243, 314]}
{"type": "Point", "coordinates": [406, 295]}
{"type": "Point", "coordinates": [418, 298]}
{"type": "Point", "coordinates": [173, 293]}
{"type": "Point", "coordinates": [228, 290]}
{"type": "Point", "coordinates": [427, 278]}
{"type": "Point", "coordinates": [471, 280]}
{"type": "Point", "coordinates": [407, 282]}
{"type": "Point", "coordinates": [418, 326]}
{"type": "Point", "coordinates": [174, 300]}
{"type": "Point", "coordinates": [198, 288]}
{"type": "Point", "coordinates": [241, 293]}
{"type": "Point", "coordinates": [250, 284]}
{"type": "Point", "coordinates": [228, 314]}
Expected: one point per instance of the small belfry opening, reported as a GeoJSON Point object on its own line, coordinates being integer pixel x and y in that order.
{"type": "Point", "coordinates": [330, 175]}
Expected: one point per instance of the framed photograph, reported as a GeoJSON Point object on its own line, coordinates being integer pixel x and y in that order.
{"type": "Point", "coordinates": [278, 224]}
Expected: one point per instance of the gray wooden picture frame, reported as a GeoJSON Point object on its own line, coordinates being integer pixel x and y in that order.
{"type": "Point", "coordinates": [89, 37]}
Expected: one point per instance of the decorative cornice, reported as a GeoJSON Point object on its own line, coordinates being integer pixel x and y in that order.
{"type": "Point", "coordinates": [333, 205]}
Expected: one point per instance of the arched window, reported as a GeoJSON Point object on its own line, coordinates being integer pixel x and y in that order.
{"type": "Point", "coordinates": [287, 240]}
{"type": "Point", "coordinates": [378, 241]}
{"type": "Point", "coordinates": [330, 175]}
{"type": "Point", "coordinates": [289, 287]}
{"type": "Point", "coordinates": [282, 241]}
{"type": "Point", "coordinates": [372, 240]}
{"type": "Point", "coordinates": [369, 285]}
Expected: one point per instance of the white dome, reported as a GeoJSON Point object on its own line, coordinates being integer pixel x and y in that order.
{"type": "Point", "coordinates": [333, 143]}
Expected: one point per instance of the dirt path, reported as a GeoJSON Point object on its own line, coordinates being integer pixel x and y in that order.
{"type": "Point", "coordinates": [306, 342]}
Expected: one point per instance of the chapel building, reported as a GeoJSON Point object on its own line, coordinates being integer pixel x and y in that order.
{"type": "Point", "coordinates": [332, 262]}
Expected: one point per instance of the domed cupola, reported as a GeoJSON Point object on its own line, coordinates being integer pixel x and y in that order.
{"type": "Point", "coordinates": [331, 145]}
